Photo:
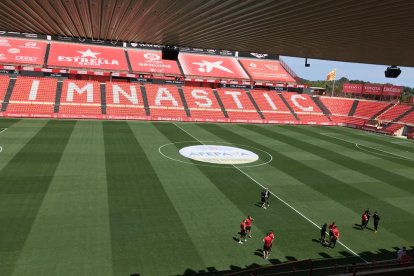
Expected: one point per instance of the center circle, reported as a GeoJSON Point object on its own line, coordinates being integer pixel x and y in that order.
{"type": "Point", "coordinates": [219, 154]}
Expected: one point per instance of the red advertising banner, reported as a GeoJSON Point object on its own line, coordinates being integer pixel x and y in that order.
{"type": "Point", "coordinates": [22, 51]}
{"type": "Point", "coordinates": [152, 62]}
{"type": "Point", "coordinates": [211, 66]}
{"type": "Point", "coordinates": [266, 70]}
{"type": "Point", "coordinates": [392, 91]}
{"type": "Point", "coordinates": [87, 56]}
{"type": "Point", "coordinates": [372, 89]}
{"type": "Point", "coordinates": [353, 88]}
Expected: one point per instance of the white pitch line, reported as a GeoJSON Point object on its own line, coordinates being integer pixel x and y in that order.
{"type": "Point", "coordinates": [280, 199]}
{"type": "Point", "coordinates": [357, 145]}
{"type": "Point", "coordinates": [1, 131]}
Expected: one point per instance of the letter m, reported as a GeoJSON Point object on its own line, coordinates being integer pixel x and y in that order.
{"type": "Point", "coordinates": [72, 87]}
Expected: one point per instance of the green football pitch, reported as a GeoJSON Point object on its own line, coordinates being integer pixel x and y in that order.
{"type": "Point", "coordinates": [117, 198]}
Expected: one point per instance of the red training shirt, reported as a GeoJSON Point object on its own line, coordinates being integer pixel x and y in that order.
{"type": "Point", "coordinates": [267, 241]}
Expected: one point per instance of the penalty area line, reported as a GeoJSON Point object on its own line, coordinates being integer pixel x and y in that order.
{"type": "Point", "coordinates": [279, 198]}
{"type": "Point", "coordinates": [358, 146]}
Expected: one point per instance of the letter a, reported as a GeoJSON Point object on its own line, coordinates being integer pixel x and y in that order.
{"type": "Point", "coordinates": [164, 95]}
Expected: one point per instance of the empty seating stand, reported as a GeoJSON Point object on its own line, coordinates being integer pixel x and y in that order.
{"type": "Point", "coordinates": [80, 99]}
{"type": "Point", "coordinates": [238, 105]}
{"type": "Point", "coordinates": [32, 97]}
{"type": "Point", "coordinates": [4, 83]}
{"type": "Point", "coordinates": [41, 97]}
{"type": "Point", "coordinates": [367, 109]}
{"type": "Point", "coordinates": [393, 113]}
{"type": "Point", "coordinates": [408, 119]}
{"type": "Point", "coordinates": [165, 103]}
{"type": "Point", "coordinates": [203, 105]}
{"type": "Point", "coordinates": [124, 101]}
{"type": "Point", "coordinates": [272, 107]}
{"type": "Point", "coordinates": [338, 107]}
{"type": "Point", "coordinates": [305, 108]}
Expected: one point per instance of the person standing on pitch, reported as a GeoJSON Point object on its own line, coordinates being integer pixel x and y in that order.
{"type": "Point", "coordinates": [331, 226]}
{"type": "Point", "coordinates": [265, 198]}
{"type": "Point", "coordinates": [368, 216]}
{"type": "Point", "coordinates": [323, 233]}
{"type": "Point", "coordinates": [267, 244]}
{"type": "Point", "coordinates": [272, 236]}
{"type": "Point", "coordinates": [335, 237]}
{"type": "Point", "coordinates": [364, 221]}
{"type": "Point", "coordinates": [242, 232]}
{"type": "Point", "coordinates": [376, 218]}
{"type": "Point", "coordinates": [248, 223]}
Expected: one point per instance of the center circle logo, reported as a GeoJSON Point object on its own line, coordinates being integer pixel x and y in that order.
{"type": "Point", "coordinates": [219, 154]}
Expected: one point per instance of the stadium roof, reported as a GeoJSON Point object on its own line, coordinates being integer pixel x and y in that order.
{"type": "Point", "coordinates": [368, 31]}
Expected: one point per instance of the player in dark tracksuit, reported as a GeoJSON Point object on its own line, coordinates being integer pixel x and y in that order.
{"type": "Point", "coordinates": [264, 197]}
{"type": "Point", "coordinates": [323, 233]}
{"type": "Point", "coordinates": [368, 213]}
{"type": "Point", "coordinates": [376, 218]}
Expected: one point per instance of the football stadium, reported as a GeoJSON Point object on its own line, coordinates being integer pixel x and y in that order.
{"type": "Point", "coordinates": [172, 138]}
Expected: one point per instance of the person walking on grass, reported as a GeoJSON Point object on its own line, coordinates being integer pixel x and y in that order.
{"type": "Point", "coordinates": [376, 218]}
{"type": "Point", "coordinates": [248, 223]}
{"type": "Point", "coordinates": [264, 198]}
{"type": "Point", "coordinates": [364, 221]}
{"type": "Point", "coordinates": [335, 237]}
{"type": "Point", "coordinates": [368, 213]}
{"type": "Point", "coordinates": [242, 232]}
{"type": "Point", "coordinates": [323, 233]}
{"type": "Point", "coordinates": [267, 244]}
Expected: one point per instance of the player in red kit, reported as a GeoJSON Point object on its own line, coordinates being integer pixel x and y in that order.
{"type": "Point", "coordinates": [242, 232]}
{"type": "Point", "coordinates": [364, 221]}
{"type": "Point", "coordinates": [267, 245]}
{"type": "Point", "coordinates": [248, 223]}
{"type": "Point", "coordinates": [335, 237]}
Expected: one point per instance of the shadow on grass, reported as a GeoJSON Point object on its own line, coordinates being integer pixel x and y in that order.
{"type": "Point", "coordinates": [342, 264]}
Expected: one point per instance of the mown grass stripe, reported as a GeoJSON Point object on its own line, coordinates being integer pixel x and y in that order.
{"type": "Point", "coordinates": [72, 225]}
{"type": "Point", "coordinates": [371, 170]}
{"type": "Point", "coordinates": [24, 181]}
{"type": "Point", "coordinates": [327, 185]}
{"type": "Point", "coordinates": [145, 228]}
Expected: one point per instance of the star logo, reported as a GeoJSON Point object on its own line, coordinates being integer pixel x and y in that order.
{"type": "Point", "coordinates": [88, 53]}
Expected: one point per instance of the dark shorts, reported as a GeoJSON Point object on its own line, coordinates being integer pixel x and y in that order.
{"type": "Point", "coordinates": [242, 232]}
{"type": "Point", "coordinates": [263, 199]}
{"type": "Point", "coordinates": [266, 248]}
{"type": "Point", "coordinates": [248, 228]}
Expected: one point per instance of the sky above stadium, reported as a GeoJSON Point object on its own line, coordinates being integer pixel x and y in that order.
{"type": "Point", "coordinates": [319, 69]}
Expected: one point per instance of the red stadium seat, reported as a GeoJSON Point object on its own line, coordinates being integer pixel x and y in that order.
{"type": "Point", "coordinates": [337, 106]}
{"type": "Point", "coordinates": [305, 108]}
{"type": "Point", "coordinates": [124, 101]}
{"type": "Point", "coordinates": [33, 97]}
{"type": "Point", "coordinates": [80, 99]}
{"type": "Point", "coordinates": [203, 104]}
{"type": "Point", "coordinates": [165, 102]}
{"type": "Point", "coordinates": [408, 119]}
{"type": "Point", "coordinates": [4, 83]}
{"type": "Point", "coordinates": [367, 109]}
{"type": "Point", "coordinates": [238, 105]}
{"type": "Point", "coordinates": [393, 112]}
{"type": "Point", "coordinates": [272, 107]}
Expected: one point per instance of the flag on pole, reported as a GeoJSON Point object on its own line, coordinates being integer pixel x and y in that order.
{"type": "Point", "coordinates": [331, 75]}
